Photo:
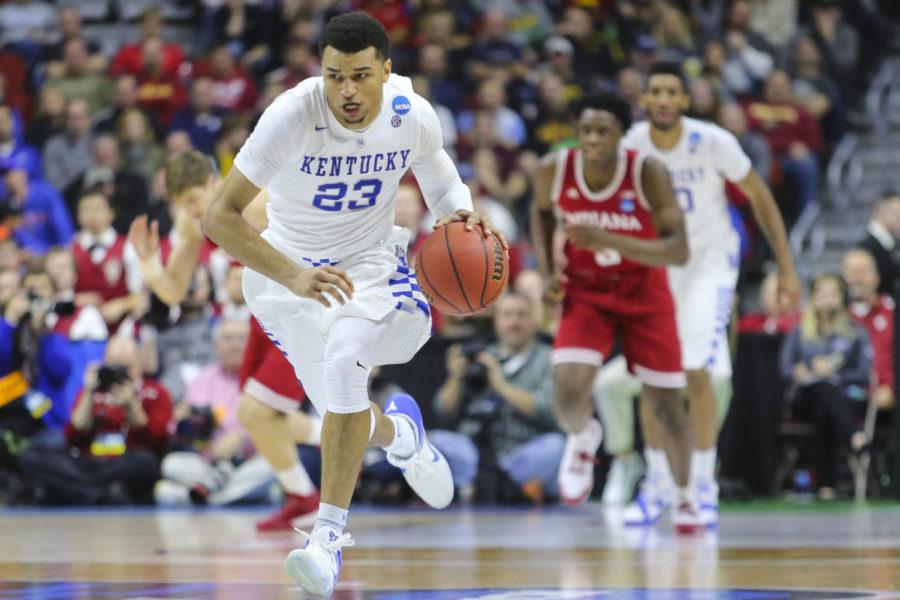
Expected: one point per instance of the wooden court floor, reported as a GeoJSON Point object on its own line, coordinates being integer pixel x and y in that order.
{"type": "Point", "coordinates": [457, 554]}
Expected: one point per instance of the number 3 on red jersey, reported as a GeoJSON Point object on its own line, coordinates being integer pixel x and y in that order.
{"type": "Point", "coordinates": [607, 258]}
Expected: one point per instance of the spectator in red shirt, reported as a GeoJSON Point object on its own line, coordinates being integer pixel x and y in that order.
{"type": "Point", "coordinates": [109, 273]}
{"type": "Point", "coordinates": [875, 312]}
{"type": "Point", "coordinates": [233, 89]}
{"type": "Point", "coordinates": [159, 90]}
{"type": "Point", "coordinates": [130, 57]}
{"type": "Point", "coordinates": [118, 430]}
{"type": "Point", "coordinates": [794, 136]}
{"type": "Point", "coordinates": [769, 320]}
{"type": "Point", "coordinates": [139, 408]}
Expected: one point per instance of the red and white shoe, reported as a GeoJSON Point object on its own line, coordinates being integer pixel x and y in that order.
{"type": "Point", "coordinates": [298, 511]}
{"type": "Point", "coordinates": [687, 519]}
{"type": "Point", "coordinates": [576, 471]}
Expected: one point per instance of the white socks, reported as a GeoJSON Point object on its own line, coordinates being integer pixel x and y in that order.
{"type": "Point", "coordinates": [331, 517]}
{"type": "Point", "coordinates": [295, 480]}
{"type": "Point", "coordinates": [404, 444]}
{"type": "Point", "coordinates": [658, 470]}
{"type": "Point", "coordinates": [703, 466]}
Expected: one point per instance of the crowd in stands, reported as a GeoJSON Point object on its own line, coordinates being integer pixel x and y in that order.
{"type": "Point", "coordinates": [95, 96]}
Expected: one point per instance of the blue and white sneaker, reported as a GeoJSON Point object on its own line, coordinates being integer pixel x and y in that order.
{"type": "Point", "coordinates": [707, 494]}
{"type": "Point", "coordinates": [426, 471]}
{"type": "Point", "coordinates": [648, 507]}
{"type": "Point", "coordinates": [317, 566]}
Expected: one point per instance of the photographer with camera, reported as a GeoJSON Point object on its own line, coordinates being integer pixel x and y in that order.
{"type": "Point", "coordinates": [499, 398]}
{"type": "Point", "coordinates": [34, 360]}
{"type": "Point", "coordinates": [117, 433]}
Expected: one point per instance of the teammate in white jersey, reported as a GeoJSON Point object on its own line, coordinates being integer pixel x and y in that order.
{"type": "Point", "coordinates": [328, 279]}
{"type": "Point", "coordinates": [701, 157]}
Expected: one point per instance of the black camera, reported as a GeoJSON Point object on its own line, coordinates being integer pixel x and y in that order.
{"type": "Point", "coordinates": [195, 428]}
{"type": "Point", "coordinates": [110, 375]}
{"type": "Point", "coordinates": [476, 377]}
{"type": "Point", "coordinates": [63, 308]}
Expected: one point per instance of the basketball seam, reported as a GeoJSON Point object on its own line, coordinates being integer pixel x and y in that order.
{"type": "Point", "coordinates": [455, 271]}
{"type": "Point", "coordinates": [487, 270]}
{"type": "Point", "coordinates": [420, 268]}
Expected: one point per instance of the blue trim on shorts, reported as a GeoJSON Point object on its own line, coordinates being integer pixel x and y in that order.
{"type": "Point", "coordinates": [403, 284]}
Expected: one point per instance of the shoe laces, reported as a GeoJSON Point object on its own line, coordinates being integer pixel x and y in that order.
{"type": "Point", "coordinates": [415, 463]}
{"type": "Point", "coordinates": [331, 545]}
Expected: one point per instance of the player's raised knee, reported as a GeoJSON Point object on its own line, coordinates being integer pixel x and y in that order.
{"type": "Point", "coordinates": [251, 412]}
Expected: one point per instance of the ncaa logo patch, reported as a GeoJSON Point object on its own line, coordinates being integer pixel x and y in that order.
{"type": "Point", "coordinates": [693, 142]}
{"type": "Point", "coordinates": [626, 204]}
{"type": "Point", "coordinates": [396, 121]}
{"type": "Point", "coordinates": [401, 105]}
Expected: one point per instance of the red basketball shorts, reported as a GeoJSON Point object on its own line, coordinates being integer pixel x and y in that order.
{"type": "Point", "coordinates": [637, 307]}
{"type": "Point", "coordinates": [267, 375]}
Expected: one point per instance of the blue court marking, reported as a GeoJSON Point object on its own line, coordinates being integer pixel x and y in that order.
{"type": "Point", "coordinates": [65, 589]}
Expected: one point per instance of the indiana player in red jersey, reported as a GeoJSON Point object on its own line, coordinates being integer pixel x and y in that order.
{"type": "Point", "coordinates": [271, 393]}
{"type": "Point", "coordinates": [622, 227]}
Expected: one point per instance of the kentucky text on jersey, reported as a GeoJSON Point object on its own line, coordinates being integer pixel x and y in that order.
{"type": "Point", "coordinates": [606, 220]}
{"type": "Point", "coordinates": [337, 166]}
{"type": "Point", "coordinates": [688, 175]}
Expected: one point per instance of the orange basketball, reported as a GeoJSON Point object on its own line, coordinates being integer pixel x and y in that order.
{"type": "Point", "coordinates": [462, 272]}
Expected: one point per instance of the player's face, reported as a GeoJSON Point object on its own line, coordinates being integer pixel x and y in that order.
{"type": "Point", "coordinates": [665, 100]}
{"type": "Point", "coordinates": [354, 85]}
{"type": "Point", "coordinates": [196, 200]}
{"type": "Point", "coordinates": [599, 133]}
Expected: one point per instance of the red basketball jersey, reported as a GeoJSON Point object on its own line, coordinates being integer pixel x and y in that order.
{"type": "Point", "coordinates": [620, 207]}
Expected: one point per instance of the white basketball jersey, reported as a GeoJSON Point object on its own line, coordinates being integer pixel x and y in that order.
{"type": "Point", "coordinates": [704, 158]}
{"type": "Point", "coordinates": [332, 189]}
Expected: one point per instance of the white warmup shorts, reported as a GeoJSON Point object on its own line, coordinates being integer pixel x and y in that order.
{"type": "Point", "coordinates": [385, 289]}
{"type": "Point", "coordinates": [704, 292]}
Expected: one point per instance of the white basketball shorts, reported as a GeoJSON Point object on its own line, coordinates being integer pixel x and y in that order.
{"type": "Point", "coordinates": [704, 292]}
{"type": "Point", "coordinates": [385, 289]}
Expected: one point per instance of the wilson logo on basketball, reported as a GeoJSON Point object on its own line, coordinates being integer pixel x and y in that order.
{"type": "Point", "coordinates": [497, 272]}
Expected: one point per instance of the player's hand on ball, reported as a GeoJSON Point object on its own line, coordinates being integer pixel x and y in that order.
{"type": "Point", "coordinates": [144, 237]}
{"type": "Point", "coordinates": [473, 218]}
{"type": "Point", "coordinates": [318, 283]}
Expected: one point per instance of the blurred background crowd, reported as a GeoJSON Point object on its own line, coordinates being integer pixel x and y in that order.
{"type": "Point", "coordinates": [95, 95]}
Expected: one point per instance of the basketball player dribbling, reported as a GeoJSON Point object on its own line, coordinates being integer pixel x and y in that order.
{"type": "Point", "coordinates": [327, 279]}
{"type": "Point", "coordinates": [701, 157]}
{"type": "Point", "coordinates": [622, 227]}
{"type": "Point", "coordinates": [271, 396]}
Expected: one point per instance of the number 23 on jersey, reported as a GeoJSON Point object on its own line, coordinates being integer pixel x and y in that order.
{"type": "Point", "coordinates": [333, 196]}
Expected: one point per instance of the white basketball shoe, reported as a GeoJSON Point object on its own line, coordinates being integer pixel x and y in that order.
{"type": "Point", "coordinates": [426, 471]}
{"type": "Point", "coordinates": [707, 494]}
{"type": "Point", "coordinates": [317, 566]}
{"type": "Point", "coordinates": [576, 470]}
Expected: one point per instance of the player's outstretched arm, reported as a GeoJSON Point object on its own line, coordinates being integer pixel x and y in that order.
{"type": "Point", "coordinates": [766, 213]}
{"type": "Point", "coordinates": [670, 248]}
{"type": "Point", "coordinates": [543, 224]}
{"type": "Point", "coordinates": [170, 282]}
{"type": "Point", "coordinates": [226, 226]}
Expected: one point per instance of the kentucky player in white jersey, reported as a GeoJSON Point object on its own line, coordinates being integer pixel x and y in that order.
{"type": "Point", "coordinates": [328, 279]}
{"type": "Point", "coordinates": [701, 157]}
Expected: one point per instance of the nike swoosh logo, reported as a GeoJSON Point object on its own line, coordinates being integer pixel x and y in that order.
{"type": "Point", "coordinates": [318, 128]}
{"type": "Point", "coordinates": [359, 365]}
